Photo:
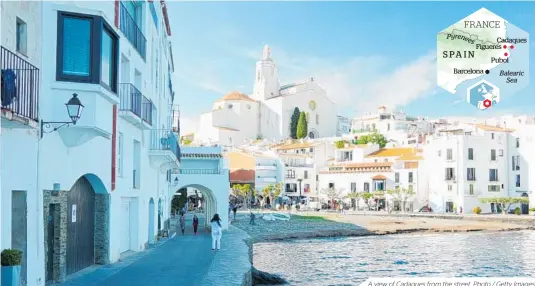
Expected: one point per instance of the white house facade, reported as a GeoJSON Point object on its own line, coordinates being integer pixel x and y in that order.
{"type": "Point", "coordinates": [268, 110]}
{"type": "Point", "coordinates": [21, 217]}
{"type": "Point", "coordinates": [97, 173]}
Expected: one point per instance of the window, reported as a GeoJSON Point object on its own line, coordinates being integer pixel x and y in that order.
{"type": "Point", "coordinates": [450, 174]}
{"type": "Point", "coordinates": [410, 177]}
{"type": "Point", "coordinates": [450, 187]}
{"type": "Point", "coordinates": [471, 189]}
{"type": "Point", "coordinates": [367, 187]}
{"type": "Point", "coordinates": [516, 163]}
{"type": "Point", "coordinates": [397, 177]}
{"type": "Point", "coordinates": [449, 154]}
{"type": "Point", "coordinates": [517, 181]}
{"type": "Point", "coordinates": [290, 174]}
{"type": "Point", "coordinates": [493, 154]}
{"type": "Point", "coordinates": [493, 175]}
{"type": "Point", "coordinates": [86, 50]}
{"type": "Point", "coordinates": [517, 142]}
{"type": "Point", "coordinates": [311, 150]}
{"type": "Point", "coordinates": [494, 188]}
{"type": "Point", "coordinates": [491, 135]}
{"type": "Point", "coordinates": [120, 154]}
{"type": "Point", "coordinates": [307, 188]}
{"type": "Point", "coordinates": [22, 37]}
{"type": "Point", "coordinates": [500, 152]}
{"type": "Point", "coordinates": [439, 153]}
{"type": "Point", "coordinates": [229, 106]}
{"type": "Point", "coordinates": [331, 185]}
{"type": "Point", "coordinates": [471, 174]}
{"type": "Point", "coordinates": [470, 153]}
{"type": "Point", "coordinates": [305, 176]}
{"type": "Point", "coordinates": [353, 187]}
{"type": "Point", "coordinates": [317, 119]}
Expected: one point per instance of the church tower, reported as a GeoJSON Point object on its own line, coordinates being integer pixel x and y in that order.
{"type": "Point", "coordinates": [266, 78]}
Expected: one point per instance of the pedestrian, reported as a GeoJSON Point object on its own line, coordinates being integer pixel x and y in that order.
{"type": "Point", "coordinates": [251, 221]}
{"type": "Point", "coordinates": [217, 231]}
{"type": "Point", "coordinates": [234, 210]}
{"type": "Point", "coordinates": [195, 224]}
{"type": "Point", "coordinates": [182, 223]}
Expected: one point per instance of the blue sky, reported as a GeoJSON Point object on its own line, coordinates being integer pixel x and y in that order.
{"type": "Point", "coordinates": [363, 53]}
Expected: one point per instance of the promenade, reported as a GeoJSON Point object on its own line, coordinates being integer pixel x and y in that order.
{"type": "Point", "coordinates": [180, 260]}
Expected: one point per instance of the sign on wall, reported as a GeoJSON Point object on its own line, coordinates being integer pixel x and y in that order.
{"type": "Point", "coordinates": [73, 213]}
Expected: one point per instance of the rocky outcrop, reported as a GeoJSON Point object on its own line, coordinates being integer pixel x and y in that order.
{"type": "Point", "coordinates": [264, 278]}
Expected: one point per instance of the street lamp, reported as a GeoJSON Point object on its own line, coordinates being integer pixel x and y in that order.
{"type": "Point", "coordinates": [300, 179]}
{"type": "Point", "coordinates": [74, 109]}
{"type": "Point", "coordinates": [176, 181]}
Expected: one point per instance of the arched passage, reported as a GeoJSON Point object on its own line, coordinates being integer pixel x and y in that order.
{"type": "Point", "coordinates": [525, 207]}
{"type": "Point", "coordinates": [213, 202]}
{"type": "Point", "coordinates": [81, 238]}
{"type": "Point", "coordinates": [152, 236]}
{"type": "Point", "coordinates": [313, 133]}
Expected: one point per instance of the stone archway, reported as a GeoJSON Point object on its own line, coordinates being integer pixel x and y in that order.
{"type": "Point", "coordinates": [313, 133]}
{"type": "Point", "coordinates": [76, 223]}
{"type": "Point", "coordinates": [214, 202]}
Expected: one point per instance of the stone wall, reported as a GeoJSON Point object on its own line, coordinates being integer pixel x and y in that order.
{"type": "Point", "coordinates": [234, 260]}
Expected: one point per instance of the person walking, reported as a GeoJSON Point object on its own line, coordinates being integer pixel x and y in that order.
{"type": "Point", "coordinates": [182, 223]}
{"type": "Point", "coordinates": [234, 210]}
{"type": "Point", "coordinates": [195, 224]}
{"type": "Point", "coordinates": [217, 231]}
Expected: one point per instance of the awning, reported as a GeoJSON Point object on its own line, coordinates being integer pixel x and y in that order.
{"type": "Point", "coordinates": [378, 177]}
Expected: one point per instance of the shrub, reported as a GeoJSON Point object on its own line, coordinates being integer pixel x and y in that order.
{"type": "Point", "coordinates": [11, 257]}
{"type": "Point", "coordinates": [476, 210]}
{"type": "Point", "coordinates": [532, 210]}
{"type": "Point", "coordinates": [340, 144]}
{"type": "Point", "coordinates": [518, 211]}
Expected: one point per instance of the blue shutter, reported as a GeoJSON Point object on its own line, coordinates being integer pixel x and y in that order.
{"type": "Point", "coordinates": [76, 46]}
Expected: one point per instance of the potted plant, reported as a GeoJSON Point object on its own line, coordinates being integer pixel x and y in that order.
{"type": "Point", "coordinates": [11, 260]}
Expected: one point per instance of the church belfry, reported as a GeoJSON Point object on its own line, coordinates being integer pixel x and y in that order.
{"type": "Point", "coordinates": [266, 80]}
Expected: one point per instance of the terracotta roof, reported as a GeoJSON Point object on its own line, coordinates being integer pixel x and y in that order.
{"type": "Point", "coordinates": [297, 145]}
{"type": "Point", "coordinates": [195, 155]}
{"type": "Point", "coordinates": [493, 128]}
{"type": "Point", "coordinates": [236, 95]}
{"type": "Point", "coordinates": [225, 128]}
{"type": "Point", "coordinates": [392, 152]}
{"type": "Point", "coordinates": [365, 165]}
{"type": "Point", "coordinates": [410, 157]}
{"type": "Point", "coordinates": [359, 168]}
{"type": "Point", "coordinates": [378, 177]}
{"type": "Point", "coordinates": [242, 176]}
{"type": "Point", "coordinates": [295, 155]}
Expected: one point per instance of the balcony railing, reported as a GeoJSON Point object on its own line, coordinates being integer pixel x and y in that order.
{"type": "Point", "coordinates": [200, 171]}
{"type": "Point", "coordinates": [20, 85]}
{"type": "Point", "coordinates": [131, 98]}
{"type": "Point", "coordinates": [132, 31]}
{"type": "Point", "coordinates": [164, 139]}
{"type": "Point", "coordinates": [146, 110]}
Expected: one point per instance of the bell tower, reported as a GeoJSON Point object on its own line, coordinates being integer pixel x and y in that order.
{"type": "Point", "coordinates": [266, 78]}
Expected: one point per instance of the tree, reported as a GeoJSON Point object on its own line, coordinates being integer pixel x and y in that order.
{"type": "Point", "coordinates": [505, 202]}
{"type": "Point", "coordinates": [401, 195]}
{"type": "Point", "coordinates": [332, 195]}
{"type": "Point", "coordinates": [355, 197]}
{"type": "Point", "coordinates": [243, 191]}
{"type": "Point", "coordinates": [302, 126]}
{"type": "Point", "coordinates": [179, 201]}
{"type": "Point", "coordinates": [294, 120]}
{"type": "Point", "coordinates": [378, 195]}
{"type": "Point", "coordinates": [340, 144]}
{"type": "Point", "coordinates": [367, 198]}
{"type": "Point", "coordinates": [185, 141]}
{"type": "Point", "coordinates": [373, 138]}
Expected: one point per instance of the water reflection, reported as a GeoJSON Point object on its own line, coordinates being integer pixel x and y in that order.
{"type": "Point", "coordinates": [349, 261]}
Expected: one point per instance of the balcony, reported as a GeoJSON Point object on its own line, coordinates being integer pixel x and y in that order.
{"type": "Point", "coordinates": [132, 31]}
{"type": "Point", "coordinates": [134, 106]}
{"type": "Point", "coordinates": [271, 167]}
{"type": "Point", "coordinates": [164, 151]}
{"type": "Point", "coordinates": [20, 91]}
{"type": "Point", "coordinates": [200, 171]}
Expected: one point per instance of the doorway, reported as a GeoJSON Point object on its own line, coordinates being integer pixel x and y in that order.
{"type": "Point", "coordinates": [151, 221]}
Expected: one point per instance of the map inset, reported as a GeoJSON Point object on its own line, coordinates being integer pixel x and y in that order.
{"type": "Point", "coordinates": [483, 46]}
{"type": "Point", "coordinates": [483, 95]}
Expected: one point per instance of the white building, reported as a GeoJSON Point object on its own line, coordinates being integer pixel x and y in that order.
{"type": "Point", "coordinates": [303, 160]}
{"type": "Point", "coordinates": [103, 180]}
{"type": "Point", "coordinates": [366, 168]}
{"type": "Point", "coordinates": [465, 165]}
{"type": "Point", "coordinates": [396, 126]}
{"type": "Point", "coordinates": [343, 126]}
{"type": "Point", "coordinates": [268, 110]}
{"type": "Point", "coordinates": [21, 217]}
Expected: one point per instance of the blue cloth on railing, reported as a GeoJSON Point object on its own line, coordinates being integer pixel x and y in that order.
{"type": "Point", "coordinates": [9, 86]}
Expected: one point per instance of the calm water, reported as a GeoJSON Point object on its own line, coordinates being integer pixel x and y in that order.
{"type": "Point", "coordinates": [349, 261]}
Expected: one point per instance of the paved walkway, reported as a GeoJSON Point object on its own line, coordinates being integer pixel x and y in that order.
{"type": "Point", "coordinates": [182, 260]}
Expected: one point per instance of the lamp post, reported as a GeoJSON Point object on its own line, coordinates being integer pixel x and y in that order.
{"type": "Point", "coordinates": [300, 179]}
{"type": "Point", "coordinates": [74, 109]}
